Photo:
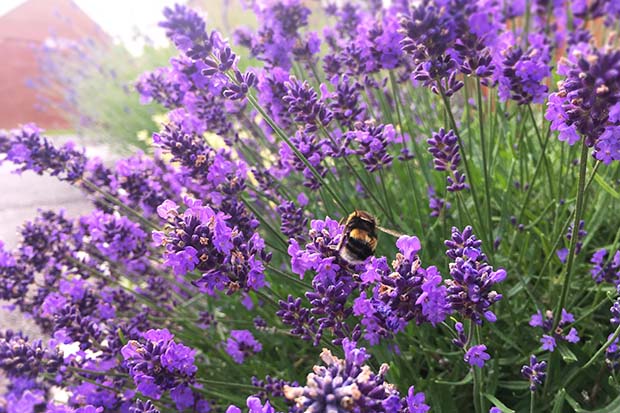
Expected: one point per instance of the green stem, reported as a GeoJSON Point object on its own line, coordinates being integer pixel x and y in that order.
{"type": "Point", "coordinates": [414, 192]}
{"type": "Point", "coordinates": [299, 155]}
{"type": "Point", "coordinates": [360, 179]}
{"type": "Point", "coordinates": [446, 102]}
{"type": "Point", "coordinates": [532, 404]}
{"type": "Point", "coordinates": [573, 242]}
{"type": "Point", "coordinates": [477, 387]}
{"type": "Point", "coordinates": [543, 147]}
{"type": "Point", "coordinates": [560, 235]}
{"type": "Point", "coordinates": [227, 384]}
{"type": "Point", "coordinates": [602, 349]}
{"type": "Point", "coordinates": [594, 357]}
{"type": "Point", "coordinates": [485, 166]}
{"type": "Point", "coordinates": [278, 235]}
{"type": "Point", "coordinates": [528, 194]}
{"type": "Point", "coordinates": [386, 197]}
{"type": "Point", "coordinates": [483, 407]}
{"type": "Point", "coordinates": [289, 277]}
{"type": "Point", "coordinates": [112, 199]}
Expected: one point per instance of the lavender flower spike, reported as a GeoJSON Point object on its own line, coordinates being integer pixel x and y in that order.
{"type": "Point", "coordinates": [535, 372]}
{"type": "Point", "coordinates": [470, 291]}
{"type": "Point", "coordinates": [445, 150]}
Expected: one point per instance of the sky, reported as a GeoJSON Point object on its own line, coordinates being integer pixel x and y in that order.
{"type": "Point", "coordinates": [119, 18]}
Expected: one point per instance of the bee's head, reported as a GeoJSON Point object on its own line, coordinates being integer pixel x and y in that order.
{"type": "Point", "coordinates": [363, 216]}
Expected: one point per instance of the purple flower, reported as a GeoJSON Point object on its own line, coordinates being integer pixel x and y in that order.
{"type": "Point", "coordinates": [22, 358]}
{"type": "Point", "coordinates": [522, 72]}
{"type": "Point", "coordinates": [375, 269]}
{"type": "Point", "coordinates": [348, 385]}
{"type": "Point", "coordinates": [160, 86]}
{"type": "Point", "coordinates": [461, 339]}
{"type": "Point", "coordinates": [470, 290]}
{"type": "Point", "coordinates": [585, 99]}
{"type": "Point", "coordinates": [548, 343]}
{"type": "Point", "coordinates": [52, 304]}
{"type": "Point", "coordinates": [305, 106]}
{"type": "Point", "coordinates": [535, 372]}
{"type": "Point", "coordinates": [293, 220]}
{"type": "Point", "coordinates": [603, 269]}
{"type": "Point", "coordinates": [30, 151]}
{"type": "Point", "coordinates": [143, 182]}
{"type": "Point", "coordinates": [159, 364]}
{"type": "Point", "coordinates": [612, 355]}
{"type": "Point", "coordinates": [409, 246]}
{"type": "Point", "coordinates": [446, 157]}
{"type": "Point", "coordinates": [242, 344]}
{"type": "Point", "coordinates": [332, 284]}
{"type": "Point", "coordinates": [548, 339]}
{"type": "Point", "coordinates": [572, 336]}
{"type": "Point", "coordinates": [408, 293]}
{"type": "Point", "coordinates": [372, 144]}
{"type": "Point", "coordinates": [615, 312]}
{"type": "Point", "coordinates": [187, 30]}
{"type": "Point", "coordinates": [607, 147]}
{"type": "Point", "coordinates": [24, 396]}
{"type": "Point", "coordinates": [271, 386]}
{"type": "Point", "coordinates": [581, 233]}
{"type": "Point", "coordinates": [429, 31]}
{"type": "Point", "coordinates": [202, 239]}
{"type": "Point", "coordinates": [179, 358]}
{"type": "Point", "coordinates": [562, 253]}
{"type": "Point", "coordinates": [143, 407]}
{"type": "Point", "coordinates": [271, 90]}
{"type": "Point", "coordinates": [476, 356]}
{"type": "Point", "coordinates": [299, 318]}
{"type": "Point", "coordinates": [254, 405]}
{"type": "Point", "coordinates": [241, 86]}
{"type": "Point", "coordinates": [345, 103]}
{"type": "Point", "coordinates": [416, 402]}
{"type": "Point", "coordinates": [438, 206]}
{"type": "Point", "coordinates": [118, 238]}
{"type": "Point", "coordinates": [277, 37]}
{"type": "Point", "coordinates": [556, 115]}
{"type": "Point", "coordinates": [313, 149]}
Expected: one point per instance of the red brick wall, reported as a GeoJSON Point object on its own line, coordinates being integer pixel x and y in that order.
{"type": "Point", "coordinates": [22, 32]}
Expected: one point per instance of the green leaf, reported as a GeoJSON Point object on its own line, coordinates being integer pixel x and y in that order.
{"type": "Point", "coordinates": [464, 380]}
{"type": "Point", "coordinates": [613, 407]}
{"type": "Point", "coordinates": [499, 404]}
{"type": "Point", "coordinates": [514, 385]}
{"type": "Point", "coordinates": [121, 336]}
{"type": "Point", "coordinates": [441, 403]}
{"type": "Point", "coordinates": [573, 403]}
{"type": "Point", "coordinates": [567, 355]}
{"type": "Point", "coordinates": [558, 402]}
{"type": "Point", "coordinates": [606, 187]}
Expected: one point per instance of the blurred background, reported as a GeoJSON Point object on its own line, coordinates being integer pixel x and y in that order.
{"type": "Point", "coordinates": [70, 67]}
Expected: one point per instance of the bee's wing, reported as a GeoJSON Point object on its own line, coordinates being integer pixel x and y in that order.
{"type": "Point", "coordinates": [390, 232]}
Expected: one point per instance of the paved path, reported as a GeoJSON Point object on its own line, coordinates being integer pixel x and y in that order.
{"type": "Point", "coordinates": [21, 196]}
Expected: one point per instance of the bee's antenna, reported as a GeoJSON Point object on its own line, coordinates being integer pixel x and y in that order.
{"type": "Point", "coordinates": [390, 232]}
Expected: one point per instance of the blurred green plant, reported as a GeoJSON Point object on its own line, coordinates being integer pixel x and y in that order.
{"type": "Point", "coordinates": [93, 82]}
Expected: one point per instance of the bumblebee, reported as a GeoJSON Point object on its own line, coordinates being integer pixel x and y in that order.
{"type": "Point", "coordinates": [359, 238]}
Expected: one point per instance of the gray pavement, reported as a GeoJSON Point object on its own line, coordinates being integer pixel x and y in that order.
{"type": "Point", "coordinates": [21, 196]}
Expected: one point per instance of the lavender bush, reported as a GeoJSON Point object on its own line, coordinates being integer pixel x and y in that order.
{"type": "Point", "coordinates": [208, 278]}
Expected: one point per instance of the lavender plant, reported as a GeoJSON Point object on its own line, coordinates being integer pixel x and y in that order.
{"type": "Point", "coordinates": [210, 276]}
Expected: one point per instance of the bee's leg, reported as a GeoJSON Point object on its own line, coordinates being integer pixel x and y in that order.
{"type": "Point", "coordinates": [340, 244]}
